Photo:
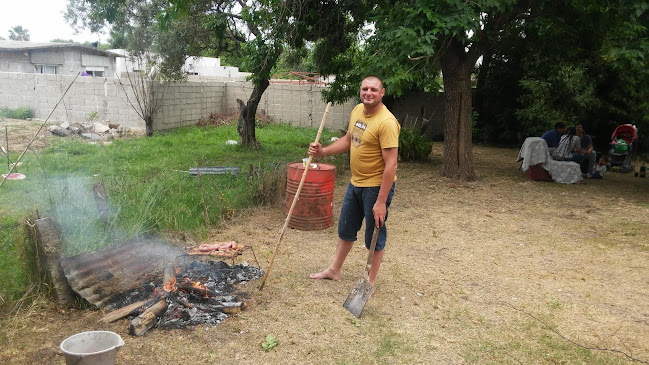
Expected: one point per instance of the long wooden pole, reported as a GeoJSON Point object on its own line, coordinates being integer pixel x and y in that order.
{"type": "Point", "coordinates": [295, 198]}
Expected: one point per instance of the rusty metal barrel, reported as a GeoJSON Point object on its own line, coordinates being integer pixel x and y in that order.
{"type": "Point", "coordinates": [314, 208]}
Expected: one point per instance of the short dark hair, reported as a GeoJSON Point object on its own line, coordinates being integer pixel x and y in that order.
{"type": "Point", "coordinates": [605, 158]}
{"type": "Point", "coordinates": [558, 125]}
{"type": "Point", "coordinates": [375, 77]}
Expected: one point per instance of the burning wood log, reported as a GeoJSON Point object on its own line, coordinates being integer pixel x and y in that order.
{"type": "Point", "coordinates": [124, 311]}
{"type": "Point", "coordinates": [148, 318]}
{"type": "Point", "coordinates": [191, 287]}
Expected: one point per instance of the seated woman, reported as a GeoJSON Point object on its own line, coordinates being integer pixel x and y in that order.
{"type": "Point", "coordinates": [569, 147]}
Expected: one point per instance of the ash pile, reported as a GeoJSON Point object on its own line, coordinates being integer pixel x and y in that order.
{"type": "Point", "coordinates": [154, 284]}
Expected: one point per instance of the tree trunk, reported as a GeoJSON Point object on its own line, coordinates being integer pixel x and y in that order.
{"type": "Point", "coordinates": [247, 113]}
{"type": "Point", "coordinates": [148, 121]}
{"type": "Point", "coordinates": [456, 71]}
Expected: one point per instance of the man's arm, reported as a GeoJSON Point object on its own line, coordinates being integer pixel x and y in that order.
{"type": "Point", "coordinates": [390, 157]}
{"type": "Point", "coordinates": [341, 145]}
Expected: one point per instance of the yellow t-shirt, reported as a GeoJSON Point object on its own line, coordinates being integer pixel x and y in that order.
{"type": "Point", "coordinates": [369, 135]}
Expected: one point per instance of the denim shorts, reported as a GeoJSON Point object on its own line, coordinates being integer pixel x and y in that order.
{"type": "Point", "coordinates": [357, 205]}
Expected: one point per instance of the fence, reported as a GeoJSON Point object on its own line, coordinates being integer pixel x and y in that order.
{"type": "Point", "coordinates": [185, 102]}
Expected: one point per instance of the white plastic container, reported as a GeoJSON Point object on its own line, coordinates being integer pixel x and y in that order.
{"type": "Point", "coordinates": [93, 347]}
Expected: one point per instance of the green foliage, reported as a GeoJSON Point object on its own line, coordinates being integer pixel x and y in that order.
{"type": "Point", "coordinates": [270, 343]}
{"type": "Point", "coordinates": [12, 274]}
{"type": "Point", "coordinates": [414, 146]}
{"type": "Point", "coordinates": [18, 33]}
{"type": "Point", "coordinates": [23, 112]}
{"type": "Point", "coordinates": [92, 116]}
{"type": "Point", "coordinates": [578, 63]}
{"type": "Point", "coordinates": [566, 94]}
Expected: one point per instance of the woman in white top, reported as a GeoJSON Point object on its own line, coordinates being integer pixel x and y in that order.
{"type": "Point", "coordinates": [569, 147]}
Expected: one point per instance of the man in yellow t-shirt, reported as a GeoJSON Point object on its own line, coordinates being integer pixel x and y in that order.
{"type": "Point", "coordinates": [372, 140]}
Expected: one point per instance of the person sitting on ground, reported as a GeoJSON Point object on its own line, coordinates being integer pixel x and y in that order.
{"type": "Point", "coordinates": [553, 136]}
{"type": "Point", "coordinates": [569, 147]}
{"type": "Point", "coordinates": [599, 169]}
{"type": "Point", "coordinates": [590, 156]}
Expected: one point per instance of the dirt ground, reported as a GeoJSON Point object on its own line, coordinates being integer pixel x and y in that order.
{"type": "Point", "coordinates": [503, 270]}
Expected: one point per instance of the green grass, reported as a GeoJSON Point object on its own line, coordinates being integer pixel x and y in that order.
{"type": "Point", "coordinates": [12, 274]}
{"type": "Point", "coordinates": [23, 112]}
{"type": "Point", "coordinates": [148, 188]}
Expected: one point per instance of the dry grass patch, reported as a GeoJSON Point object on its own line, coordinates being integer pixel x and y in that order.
{"type": "Point", "coordinates": [502, 270]}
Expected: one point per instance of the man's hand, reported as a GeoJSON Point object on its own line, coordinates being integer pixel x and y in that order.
{"type": "Point", "coordinates": [315, 149]}
{"type": "Point", "coordinates": [379, 211]}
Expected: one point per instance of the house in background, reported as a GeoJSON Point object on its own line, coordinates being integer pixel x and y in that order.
{"type": "Point", "coordinates": [196, 68]}
{"type": "Point", "coordinates": [55, 58]}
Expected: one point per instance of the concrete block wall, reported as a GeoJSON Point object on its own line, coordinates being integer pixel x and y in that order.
{"type": "Point", "coordinates": [183, 103]}
{"type": "Point", "coordinates": [86, 96]}
{"type": "Point", "coordinates": [298, 105]}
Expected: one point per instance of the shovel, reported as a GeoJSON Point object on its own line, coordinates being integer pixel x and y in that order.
{"type": "Point", "coordinates": [361, 293]}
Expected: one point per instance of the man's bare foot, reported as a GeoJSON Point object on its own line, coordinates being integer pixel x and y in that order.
{"type": "Point", "coordinates": [328, 273]}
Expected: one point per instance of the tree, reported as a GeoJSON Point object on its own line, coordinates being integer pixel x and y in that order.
{"type": "Point", "coordinates": [415, 39]}
{"type": "Point", "coordinates": [254, 32]}
{"type": "Point", "coordinates": [18, 33]}
{"type": "Point", "coordinates": [145, 98]}
{"type": "Point", "coordinates": [177, 29]}
{"type": "Point", "coordinates": [61, 40]}
{"type": "Point", "coordinates": [259, 31]}
{"type": "Point", "coordinates": [580, 62]}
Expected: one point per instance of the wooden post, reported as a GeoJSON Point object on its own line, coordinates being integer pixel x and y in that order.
{"type": "Point", "coordinates": [48, 242]}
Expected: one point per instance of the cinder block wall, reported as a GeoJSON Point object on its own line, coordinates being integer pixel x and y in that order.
{"type": "Point", "coordinates": [183, 103]}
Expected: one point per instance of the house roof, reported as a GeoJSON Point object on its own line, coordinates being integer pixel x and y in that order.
{"type": "Point", "coordinates": [23, 46]}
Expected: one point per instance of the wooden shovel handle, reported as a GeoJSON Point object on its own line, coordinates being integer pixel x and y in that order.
{"type": "Point", "coordinates": [370, 255]}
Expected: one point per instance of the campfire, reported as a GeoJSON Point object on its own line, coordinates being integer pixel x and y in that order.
{"type": "Point", "coordinates": [155, 284]}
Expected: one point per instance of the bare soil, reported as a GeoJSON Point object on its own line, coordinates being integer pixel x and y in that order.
{"type": "Point", "coordinates": [500, 270]}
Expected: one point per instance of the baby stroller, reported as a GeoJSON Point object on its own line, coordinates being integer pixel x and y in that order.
{"type": "Point", "coordinates": [623, 139]}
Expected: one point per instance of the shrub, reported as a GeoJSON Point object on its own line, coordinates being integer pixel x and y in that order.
{"type": "Point", "coordinates": [414, 146]}
{"type": "Point", "coordinates": [269, 185]}
{"type": "Point", "coordinates": [24, 112]}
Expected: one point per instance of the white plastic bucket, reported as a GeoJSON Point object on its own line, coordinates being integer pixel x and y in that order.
{"type": "Point", "coordinates": [93, 347]}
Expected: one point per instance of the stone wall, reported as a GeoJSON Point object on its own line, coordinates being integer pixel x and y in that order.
{"type": "Point", "coordinates": [184, 103]}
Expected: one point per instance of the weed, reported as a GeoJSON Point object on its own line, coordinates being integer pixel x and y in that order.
{"type": "Point", "coordinates": [414, 146]}
{"type": "Point", "coordinates": [268, 186]}
{"type": "Point", "coordinates": [92, 117]}
{"type": "Point", "coordinates": [355, 322]}
{"type": "Point", "coordinates": [23, 112]}
{"type": "Point", "coordinates": [271, 343]}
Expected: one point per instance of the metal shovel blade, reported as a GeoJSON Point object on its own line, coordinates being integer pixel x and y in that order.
{"type": "Point", "coordinates": [358, 297]}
